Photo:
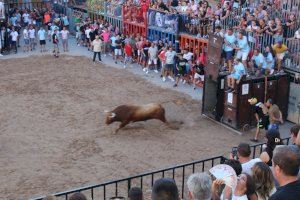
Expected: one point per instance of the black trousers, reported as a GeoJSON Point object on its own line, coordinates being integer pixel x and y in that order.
{"type": "Point", "coordinates": [99, 56]}
{"type": "Point", "coordinates": [14, 45]}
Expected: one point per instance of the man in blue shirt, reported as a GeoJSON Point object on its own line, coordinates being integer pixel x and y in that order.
{"type": "Point", "coordinates": [258, 62]}
{"type": "Point", "coordinates": [42, 38]}
{"type": "Point", "coordinates": [242, 48]}
{"type": "Point", "coordinates": [228, 48]}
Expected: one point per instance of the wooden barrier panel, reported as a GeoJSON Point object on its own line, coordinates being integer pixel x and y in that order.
{"type": "Point", "coordinates": [193, 44]}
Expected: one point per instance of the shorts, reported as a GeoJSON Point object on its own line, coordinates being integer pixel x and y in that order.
{"type": "Point", "coordinates": [31, 40]}
{"type": "Point", "coordinates": [179, 73]}
{"type": "Point", "coordinates": [280, 56]}
{"type": "Point", "coordinates": [235, 76]}
{"type": "Point", "coordinates": [242, 55]}
{"type": "Point", "coordinates": [128, 58]}
{"type": "Point", "coordinates": [83, 37]}
{"type": "Point", "coordinates": [42, 42]}
{"type": "Point", "coordinates": [263, 124]}
{"type": "Point", "coordinates": [152, 60]}
{"type": "Point", "coordinates": [64, 41]}
{"type": "Point", "coordinates": [228, 55]}
{"type": "Point", "coordinates": [78, 35]}
{"type": "Point", "coordinates": [273, 126]}
{"type": "Point", "coordinates": [118, 52]}
{"type": "Point", "coordinates": [169, 66]}
{"type": "Point", "coordinates": [26, 41]}
{"type": "Point", "coordinates": [196, 76]}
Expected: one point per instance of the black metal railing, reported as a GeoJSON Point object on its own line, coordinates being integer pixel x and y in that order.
{"type": "Point", "coordinates": [28, 5]}
{"type": "Point", "coordinates": [145, 181]}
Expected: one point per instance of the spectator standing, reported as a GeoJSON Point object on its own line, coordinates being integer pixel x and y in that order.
{"type": "Point", "coordinates": [26, 39]}
{"type": "Point", "coordinates": [286, 162]}
{"type": "Point", "coordinates": [55, 43]}
{"type": "Point", "coordinates": [199, 187]}
{"type": "Point", "coordinates": [97, 45]}
{"type": "Point", "coordinates": [14, 38]}
{"type": "Point", "coordinates": [169, 66]}
{"type": "Point", "coordinates": [25, 17]}
{"type": "Point", "coordinates": [88, 37]}
{"type": "Point", "coordinates": [275, 115]}
{"type": "Point", "coordinates": [152, 52]}
{"type": "Point", "coordinates": [32, 36]}
{"type": "Point", "coordinates": [65, 38]}
{"type": "Point", "coordinates": [105, 36]}
{"type": "Point", "coordinates": [228, 48]}
{"type": "Point", "coordinates": [264, 180]}
{"type": "Point", "coordinates": [273, 139]}
{"type": "Point", "coordinates": [42, 38]}
{"type": "Point", "coordinates": [166, 189]}
{"type": "Point", "coordinates": [65, 21]}
{"type": "Point", "coordinates": [118, 49]}
{"type": "Point", "coordinates": [242, 48]}
{"type": "Point", "coordinates": [243, 153]}
{"type": "Point", "coordinates": [128, 54]}
{"type": "Point", "coordinates": [162, 58]}
{"type": "Point", "coordinates": [135, 193]}
{"type": "Point", "coordinates": [180, 69]}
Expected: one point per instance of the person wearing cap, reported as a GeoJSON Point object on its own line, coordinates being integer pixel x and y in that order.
{"type": "Point", "coordinates": [280, 50]}
{"type": "Point", "coordinates": [275, 115]}
{"type": "Point", "coordinates": [261, 116]}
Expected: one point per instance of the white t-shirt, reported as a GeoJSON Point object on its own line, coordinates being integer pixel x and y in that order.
{"type": "Point", "coordinates": [25, 34]}
{"type": "Point", "coordinates": [297, 34]}
{"type": "Point", "coordinates": [239, 198]}
{"type": "Point", "coordinates": [87, 33]}
{"type": "Point", "coordinates": [14, 35]}
{"type": "Point", "coordinates": [42, 34]}
{"type": "Point", "coordinates": [31, 33]}
{"type": "Point", "coordinates": [188, 56]}
{"type": "Point", "coordinates": [64, 34]}
{"type": "Point", "coordinates": [170, 55]}
{"type": "Point", "coordinates": [247, 167]}
{"type": "Point", "coordinates": [25, 17]}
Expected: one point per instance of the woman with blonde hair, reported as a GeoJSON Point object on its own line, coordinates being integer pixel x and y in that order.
{"type": "Point", "coordinates": [264, 180]}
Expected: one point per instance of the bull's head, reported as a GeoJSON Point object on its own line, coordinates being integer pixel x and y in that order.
{"type": "Point", "coordinates": [110, 117]}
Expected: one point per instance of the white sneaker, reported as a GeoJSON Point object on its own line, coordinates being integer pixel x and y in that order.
{"type": "Point", "coordinates": [147, 71]}
{"type": "Point", "coordinates": [155, 71]}
{"type": "Point", "coordinates": [164, 79]}
{"type": "Point", "coordinates": [184, 81]}
{"type": "Point", "coordinates": [144, 69]}
{"type": "Point", "coordinates": [104, 55]}
{"type": "Point", "coordinates": [78, 45]}
{"type": "Point", "coordinates": [124, 66]}
{"type": "Point", "coordinates": [1, 54]}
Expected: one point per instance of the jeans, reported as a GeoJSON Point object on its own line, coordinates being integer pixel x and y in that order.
{"type": "Point", "coordinates": [99, 56]}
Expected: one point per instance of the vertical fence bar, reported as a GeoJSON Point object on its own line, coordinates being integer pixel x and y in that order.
{"type": "Point", "coordinates": [183, 175]}
{"type": "Point", "coordinates": [116, 192]}
{"type": "Point", "coordinates": [142, 182]}
{"type": "Point", "coordinates": [92, 193]}
{"type": "Point", "coordinates": [104, 192]}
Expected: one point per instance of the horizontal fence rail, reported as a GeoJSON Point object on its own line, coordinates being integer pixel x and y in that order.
{"type": "Point", "coordinates": [120, 188]}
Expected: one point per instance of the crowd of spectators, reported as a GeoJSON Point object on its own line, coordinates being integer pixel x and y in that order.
{"type": "Point", "coordinates": [257, 179]}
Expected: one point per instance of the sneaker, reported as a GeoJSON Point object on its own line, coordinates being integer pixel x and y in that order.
{"type": "Point", "coordinates": [172, 79]}
{"type": "Point", "coordinates": [155, 71]}
{"type": "Point", "coordinates": [100, 61]}
{"type": "Point", "coordinates": [78, 45]}
{"type": "Point", "coordinates": [164, 79]}
{"type": "Point", "coordinates": [194, 88]}
{"type": "Point", "coordinates": [147, 71]}
{"type": "Point", "coordinates": [124, 66]}
{"type": "Point", "coordinates": [254, 140]}
{"type": "Point", "coordinates": [144, 69]}
{"type": "Point", "coordinates": [1, 55]}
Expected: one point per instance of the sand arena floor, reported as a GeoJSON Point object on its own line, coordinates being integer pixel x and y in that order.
{"type": "Point", "coordinates": [52, 135]}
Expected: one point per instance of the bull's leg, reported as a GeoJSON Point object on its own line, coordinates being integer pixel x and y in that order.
{"type": "Point", "coordinates": [122, 125]}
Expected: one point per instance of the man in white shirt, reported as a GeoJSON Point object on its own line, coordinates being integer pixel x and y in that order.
{"type": "Point", "coordinates": [25, 17]}
{"type": "Point", "coordinates": [14, 38]}
{"type": "Point", "coordinates": [152, 51]}
{"type": "Point", "coordinates": [26, 39]}
{"type": "Point", "coordinates": [88, 37]}
{"type": "Point", "coordinates": [243, 154]}
{"type": "Point", "coordinates": [169, 66]}
{"type": "Point", "coordinates": [31, 33]}
{"type": "Point", "coordinates": [42, 38]}
{"type": "Point", "coordinates": [65, 37]}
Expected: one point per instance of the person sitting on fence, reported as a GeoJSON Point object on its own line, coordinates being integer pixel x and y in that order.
{"type": "Point", "coordinates": [135, 193]}
{"type": "Point", "coordinates": [243, 154]}
{"type": "Point", "coordinates": [236, 75]}
{"type": "Point", "coordinates": [165, 189]}
{"type": "Point", "coordinates": [286, 162]}
{"type": "Point", "coordinates": [258, 63]}
{"type": "Point", "coordinates": [199, 186]}
{"type": "Point", "coordinates": [270, 60]}
{"type": "Point", "coordinates": [242, 48]}
{"type": "Point", "coordinates": [273, 139]}
{"type": "Point", "coordinates": [280, 51]}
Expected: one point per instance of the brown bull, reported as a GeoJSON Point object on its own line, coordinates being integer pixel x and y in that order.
{"type": "Point", "coordinates": [130, 113]}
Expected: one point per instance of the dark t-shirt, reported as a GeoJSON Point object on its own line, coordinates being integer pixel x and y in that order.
{"type": "Point", "coordinates": [118, 43]}
{"type": "Point", "coordinates": [290, 191]}
{"type": "Point", "coordinates": [199, 69]}
{"type": "Point", "coordinates": [54, 38]}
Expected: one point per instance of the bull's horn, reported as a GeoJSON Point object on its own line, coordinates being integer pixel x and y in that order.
{"type": "Point", "coordinates": [112, 115]}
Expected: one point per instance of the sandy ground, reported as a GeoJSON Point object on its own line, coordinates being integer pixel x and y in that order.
{"type": "Point", "coordinates": [52, 135]}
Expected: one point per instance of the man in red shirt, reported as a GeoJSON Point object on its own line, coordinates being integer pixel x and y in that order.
{"type": "Point", "coordinates": [128, 54]}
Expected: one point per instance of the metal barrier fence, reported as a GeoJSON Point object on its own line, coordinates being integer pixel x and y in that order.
{"type": "Point", "coordinates": [145, 181]}
{"type": "Point", "coordinates": [257, 149]}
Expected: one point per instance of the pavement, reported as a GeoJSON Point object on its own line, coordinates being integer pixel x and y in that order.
{"type": "Point", "coordinates": [75, 50]}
